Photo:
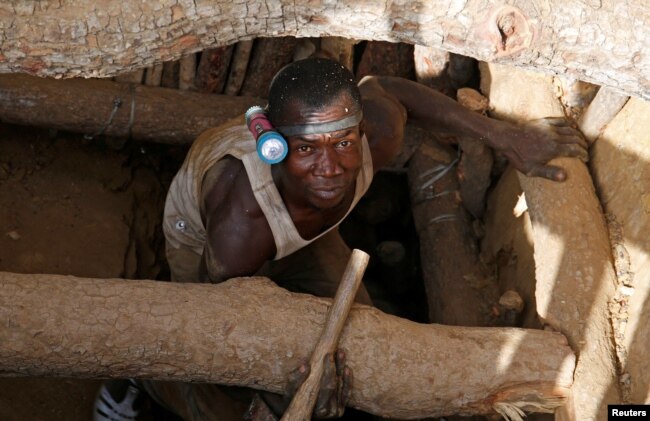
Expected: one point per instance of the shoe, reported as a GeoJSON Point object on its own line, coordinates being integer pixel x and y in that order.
{"type": "Point", "coordinates": [117, 400]}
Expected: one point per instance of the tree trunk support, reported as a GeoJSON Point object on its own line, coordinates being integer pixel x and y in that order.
{"type": "Point", "coordinates": [573, 259]}
{"type": "Point", "coordinates": [99, 107]}
{"type": "Point", "coordinates": [595, 41]}
{"type": "Point", "coordinates": [249, 332]}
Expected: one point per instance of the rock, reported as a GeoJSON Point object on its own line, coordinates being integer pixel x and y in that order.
{"type": "Point", "coordinates": [391, 253]}
{"type": "Point", "coordinates": [13, 235]}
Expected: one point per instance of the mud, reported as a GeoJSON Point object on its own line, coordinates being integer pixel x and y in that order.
{"type": "Point", "coordinates": [76, 207]}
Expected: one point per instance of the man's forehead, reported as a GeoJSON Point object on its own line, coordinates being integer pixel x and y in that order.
{"type": "Point", "coordinates": [345, 121]}
{"type": "Point", "coordinates": [298, 107]}
{"type": "Point", "coordinates": [335, 135]}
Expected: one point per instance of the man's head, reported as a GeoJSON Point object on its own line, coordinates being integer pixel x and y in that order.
{"type": "Point", "coordinates": [317, 105]}
{"type": "Point", "coordinates": [313, 83]}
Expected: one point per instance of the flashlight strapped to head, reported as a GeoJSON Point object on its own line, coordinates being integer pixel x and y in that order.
{"type": "Point", "coordinates": [271, 146]}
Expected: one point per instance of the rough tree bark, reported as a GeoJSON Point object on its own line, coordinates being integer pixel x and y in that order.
{"type": "Point", "coordinates": [460, 290]}
{"type": "Point", "coordinates": [621, 168]}
{"type": "Point", "coordinates": [240, 59]}
{"type": "Point", "coordinates": [574, 270]}
{"type": "Point", "coordinates": [208, 333]}
{"type": "Point", "coordinates": [597, 41]}
{"type": "Point", "coordinates": [86, 106]}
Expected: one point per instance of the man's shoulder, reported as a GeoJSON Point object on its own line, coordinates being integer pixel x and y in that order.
{"type": "Point", "coordinates": [227, 189]}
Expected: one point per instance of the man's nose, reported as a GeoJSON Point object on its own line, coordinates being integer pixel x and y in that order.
{"type": "Point", "coordinates": [328, 164]}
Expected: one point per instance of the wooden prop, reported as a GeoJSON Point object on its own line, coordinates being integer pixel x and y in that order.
{"type": "Point", "coordinates": [304, 400]}
{"type": "Point", "coordinates": [431, 66]}
{"type": "Point", "coordinates": [459, 289]}
{"type": "Point", "coordinates": [240, 59]}
{"type": "Point", "coordinates": [269, 55]}
{"type": "Point", "coordinates": [187, 72]}
{"type": "Point", "coordinates": [386, 59]}
{"type": "Point", "coordinates": [604, 107]}
{"type": "Point", "coordinates": [101, 107]}
{"type": "Point", "coordinates": [249, 332]}
{"type": "Point", "coordinates": [340, 49]}
{"type": "Point", "coordinates": [212, 72]}
{"type": "Point", "coordinates": [153, 77]}
{"type": "Point", "coordinates": [170, 75]}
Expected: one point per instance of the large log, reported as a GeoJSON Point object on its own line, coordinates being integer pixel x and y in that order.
{"type": "Point", "coordinates": [574, 272]}
{"type": "Point", "coordinates": [269, 55]}
{"type": "Point", "coordinates": [86, 106]}
{"type": "Point", "coordinates": [621, 167]}
{"type": "Point", "coordinates": [460, 290]}
{"type": "Point", "coordinates": [603, 42]}
{"type": "Point", "coordinates": [250, 332]}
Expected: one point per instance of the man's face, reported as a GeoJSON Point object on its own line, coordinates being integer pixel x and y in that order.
{"type": "Point", "coordinates": [321, 168]}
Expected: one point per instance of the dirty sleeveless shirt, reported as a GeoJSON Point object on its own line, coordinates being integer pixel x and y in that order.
{"type": "Point", "coordinates": [182, 222]}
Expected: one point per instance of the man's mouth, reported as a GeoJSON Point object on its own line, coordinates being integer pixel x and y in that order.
{"type": "Point", "coordinates": [328, 192]}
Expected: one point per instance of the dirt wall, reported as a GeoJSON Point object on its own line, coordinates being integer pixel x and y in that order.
{"type": "Point", "coordinates": [70, 206]}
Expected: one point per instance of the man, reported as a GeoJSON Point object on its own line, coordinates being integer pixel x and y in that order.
{"type": "Point", "coordinates": [228, 214]}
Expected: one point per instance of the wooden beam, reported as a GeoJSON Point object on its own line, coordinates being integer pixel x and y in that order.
{"type": "Point", "coordinates": [574, 272]}
{"type": "Point", "coordinates": [604, 107]}
{"type": "Point", "coordinates": [100, 107]}
{"type": "Point", "coordinates": [249, 332]}
{"type": "Point", "coordinates": [602, 42]}
{"type": "Point", "coordinates": [460, 290]}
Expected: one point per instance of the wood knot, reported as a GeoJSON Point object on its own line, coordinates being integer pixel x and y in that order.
{"type": "Point", "coordinates": [507, 31]}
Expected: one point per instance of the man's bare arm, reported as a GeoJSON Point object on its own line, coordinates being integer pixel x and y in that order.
{"type": "Point", "coordinates": [527, 147]}
{"type": "Point", "coordinates": [239, 239]}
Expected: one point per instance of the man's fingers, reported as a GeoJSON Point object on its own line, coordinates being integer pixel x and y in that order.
{"type": "Point", "coordinates": [298, 377]}
{"type": "Point", "coordinates": [575, 151]}
{"type": "Point", "coordinates": [340, 362]}
{"type": "Point", "coordinates": [346, 386]}
{"type": "Point", "coordinates": [549, 172]}
{"type": "Point", "coordinates": [553, 121]}
{"type": "Point", "coordinates": [327, 394]}
{"type": "Point", "coordinates": [572, 139]}
{"type": "Point", "coordinates": [569, 135]}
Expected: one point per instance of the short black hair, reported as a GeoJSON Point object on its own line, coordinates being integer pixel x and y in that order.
{"type": "Point", "coordinates": [314, 82]}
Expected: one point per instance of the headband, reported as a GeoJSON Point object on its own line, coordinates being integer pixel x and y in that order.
{"type": "Point", "coordinates": [330, 126]}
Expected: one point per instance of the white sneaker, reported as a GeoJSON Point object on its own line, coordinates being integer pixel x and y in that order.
{"type": "Point", "coordinates": [108, 409]}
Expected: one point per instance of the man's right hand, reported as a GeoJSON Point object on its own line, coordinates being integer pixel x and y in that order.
{"type": "Point", "coordinates": [332, 398]}
{"type": "Point", "coordinates": [334, 388]}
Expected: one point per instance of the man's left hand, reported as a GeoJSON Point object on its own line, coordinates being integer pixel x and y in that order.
{"type": "Point", "coordinates": [529, 148]}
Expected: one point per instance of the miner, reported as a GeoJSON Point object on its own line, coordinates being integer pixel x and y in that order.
{"type": "Point", "coordinates": [229, 214]}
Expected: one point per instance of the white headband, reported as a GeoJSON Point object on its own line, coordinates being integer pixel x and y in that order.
{"type": "Point", "coordinates": [330, 126]}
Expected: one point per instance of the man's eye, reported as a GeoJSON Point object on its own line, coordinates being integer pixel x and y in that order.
{"type": "Point", "coordinates": [304, 148]}
{"type": "Point", "coordinates": [344, 144]}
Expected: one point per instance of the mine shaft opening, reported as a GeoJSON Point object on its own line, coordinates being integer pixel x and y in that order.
{"type": "Point", "coordinates": [106, 193]}
{"type": "Point", "coordinates": [106, 196]}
